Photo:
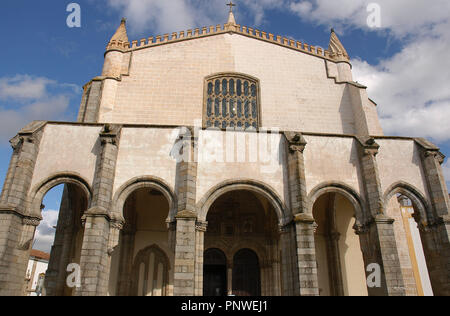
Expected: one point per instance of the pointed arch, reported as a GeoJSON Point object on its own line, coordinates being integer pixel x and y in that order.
{"type": "Point", "coordinates": [420, 203]}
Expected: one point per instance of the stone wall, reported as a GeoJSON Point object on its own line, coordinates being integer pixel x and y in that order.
{"type": "Point", "coordinates": [165, 85]}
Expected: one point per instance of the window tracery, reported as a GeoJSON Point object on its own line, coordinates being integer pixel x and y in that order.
{"type": "Point", "coordinates": [231, 101]}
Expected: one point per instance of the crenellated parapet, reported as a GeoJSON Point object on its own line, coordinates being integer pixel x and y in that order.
{"type": "Point", "coordinates": [336, 52]}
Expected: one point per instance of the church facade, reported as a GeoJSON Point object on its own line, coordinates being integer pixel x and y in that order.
{"type": "Point", "coordinates": [227, 161]}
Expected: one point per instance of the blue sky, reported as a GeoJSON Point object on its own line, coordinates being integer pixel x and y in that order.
{"type": "Point", "coordinates": [404, 63]}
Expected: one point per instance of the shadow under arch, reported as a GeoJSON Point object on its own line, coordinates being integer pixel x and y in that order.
{"type": "Point", "coordinates": [419, 202]}
{"type": "Point", "coordinates": [346, 191]}
{"type": "Point", "coordinates": [144, 182]}
{"type": "Point", "coordinates": [282, 211]}
{"type": "Point", "coordinates": [40, 190]}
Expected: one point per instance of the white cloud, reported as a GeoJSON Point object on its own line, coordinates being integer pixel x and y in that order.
{"type": "Point", "coordinates": [23, 87]}
{"type": "Point", "coordinates": [24, 98]}
{"type": "Point", "coordinates": [45, 232]}
{"type": "Point", "coordinates": [400, 17]}
{"type": "Point", "coordinates": [165, 16]}
{"type": "Point", "coordinates": [411, 87]}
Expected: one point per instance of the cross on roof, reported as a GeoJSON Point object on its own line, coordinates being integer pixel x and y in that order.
{"type": "Point", "coordinates": [231, 5]}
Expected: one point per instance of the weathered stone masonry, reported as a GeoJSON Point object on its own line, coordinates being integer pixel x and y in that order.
{"type": "Point", "coordinates": [101, 230]}
{"type": "Point", "coordinates": [17, 225]}
{"type": "Point", "coordinates": [327, 143]}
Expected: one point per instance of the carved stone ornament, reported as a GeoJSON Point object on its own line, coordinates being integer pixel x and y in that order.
{"type": "Point", "coordinates": [361, 229]}
{"type": "Point", "coordinates": [370, 146]}
{"type": "Point", "coordinates": [16, 142]}
{"type": "Point", "coordinates": [296, 141]}
{"type": "Point", "coordinates": [31, 221]}
{"type": "Point", "coordinates": [436, 154]}
{"type": "Point", "coordinates": [201, 226]}
{"type": "Point", "coordinates": [110, 134]}
{"type": "Point", "coordinates": [116, 225]}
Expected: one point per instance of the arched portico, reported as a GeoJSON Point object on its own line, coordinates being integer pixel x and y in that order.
{"type": "Point", "coordinates": [341, 268]}
{"type": "Point", "coordinates": [415, 238]}
{"type": "Point", "coordinates": [150, 182]}
{"type": "Point", "coordinates": [66, 248]}
{"type": "Point", "coordinates": [141, 264]}
{"type": "Point", "coordinates": [245, 215]}
{"type": "Point", "coordinates": [345, 190]}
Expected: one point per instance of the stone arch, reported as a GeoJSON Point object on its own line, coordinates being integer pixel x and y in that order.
{"type": "Point", "coordinates": [419, 202]}
{"type": "Point", "coordinates": [282, 211]}
{"type": "Point", "coordinates": [41, 189]}
{"type": "Point", "coordinates": [346, 191]}
{"type": "Point", "coordinates": [248, 244]}
{"type": "Point", "coordinates": [134, 184]}
{"type": "Point", "coordinates": [240, 74]}
{"type": "Point", "coordinates": [160, 257]}
{"type": "Point", "coordinates": [157, 249]}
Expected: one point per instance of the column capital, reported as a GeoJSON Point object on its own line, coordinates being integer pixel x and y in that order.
{"type": "Point", "coordinates": [304, 218]}
{"type": "Point", "coordinates": [369, 145]}
{"type": "Point", "coordinates": [110, 134]}
{"type": "Point", "coordinates": [201, 226]}
{"type": "Point", "coordinates": [31, 221]}
{"type": "Point", "coordinates": [436, 154]}
{"type": "Point", "coordinates": [296, 141]}
{"type": "Point", "coordinates": [383, 219]}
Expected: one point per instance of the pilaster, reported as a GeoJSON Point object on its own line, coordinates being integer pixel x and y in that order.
{"type": "Point", "coordinates": [436, 235]}
{"type": "Point", "coordinates": [101, 231]}
{"type": "Point", "coordinates": [377, 237]}
{"type": "Point", "coordinates": [188, 277]}
{"type": "Point", "coordinates": [306, 254]}
{"type": "Point", "coordinates": [17, 227]}
{"type": "Point", "coordinates": [185, 254]}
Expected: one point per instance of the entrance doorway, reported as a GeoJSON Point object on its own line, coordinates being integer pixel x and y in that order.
{"type": "Point", "coordinates": [246, 274]}
{"type": "Point", "coordinates": [242, 233]}
{"type": "Point", "coordinates": [214, 273]}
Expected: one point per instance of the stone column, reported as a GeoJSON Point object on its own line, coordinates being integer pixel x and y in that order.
{"type": "Point", "coordinates": [436, 235]}
{"type": "Point", "coordinates": [306, 264]}
{"type": "Point", "coordinates": [230, 276]}
{"type": "Point", "coordinates": [185, 254]}
{"type": "Point", "coordinates": [17, 224]}
{"type": "Point", "coordinates": [335, 268]}
{"type": "Point", "coordinates": [306, 254]}
{"type": "Point", "coordinates": [189, 240]}
{"type": "Point", "coordinates": [377, 237]}
{"type": "Point", "coordinates": [288, 267]}
{"type": "Point", "coordinates": [100, 229]}
{"type": "Point", "coordinates": [126, 261]}
{"type": "Point", "coordinates": [200, 230]}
